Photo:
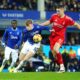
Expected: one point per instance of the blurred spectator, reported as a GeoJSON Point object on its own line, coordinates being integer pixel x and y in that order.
{"type": "Point", "coordinates": [73, 65]}
{"type": "Point", "coordinates": [72, 53]}
{"type": "Point", "coordinates": [1, 57]}
{"type": "Point", "coordinates": [18, 4]}
{"type": "Point", "coordinates": [34, 4]}
{"type": "Point", "coordinates": [64, 51]}
{"type": "Point", "coordinates": [73, 38]}
{"type": "Point", "coordinates": [52, 61]}
{"type": "Point", "coordinates": [49, 5]}
{"type": "Point", "coordinates": [76, 64]}
{"type": "Point", "coordinates": [77, 41]}
{"type": "Point", "coordinates": [10, 7]}
{"type": "Point", "coordinates": [14, 6]}
{"type": "Point", "coordinates": [73, 61]}
{"type": "Point", "coordinates": [65, 56]}
{"type": "Point", "coordinates": [70, 5]}
{"type": "Point", "coordinates": [72, 41]}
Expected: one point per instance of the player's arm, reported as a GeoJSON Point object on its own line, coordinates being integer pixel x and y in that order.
{"type": "Point", "coordinates": [20, 40]}
{"type": "Point", "coordinates": [5, 35]}
{"type": "Point", "coordinates": [77, 25]}
{"type": "Point", "coordinates": [24, 36]}
{"type": "Point", "coordinates": [45, 23]}
{"type": "Point", "coordinates": [44, 28]}
{"type": "Point", "coordinates": [50, 21]}
{"type": "Point", "coordinates": [71, 22]}
{"type": "Point", "coordinates": [4, 38]}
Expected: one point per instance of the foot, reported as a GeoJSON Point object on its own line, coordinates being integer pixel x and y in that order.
{"type": "Point", "coordinates": [10, 69]}
{"type": "Point", "coordinates": [1, 68]}
{"type": "Point", "coordinates": [16, 70]}
{"type": "Point", "coordinates": [62, 69]}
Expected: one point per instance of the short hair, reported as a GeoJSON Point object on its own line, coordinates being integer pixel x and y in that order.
{"type": "Point", "coordinates": [29, 21]}
{"type": "Point", "coordinates": [14, 21]}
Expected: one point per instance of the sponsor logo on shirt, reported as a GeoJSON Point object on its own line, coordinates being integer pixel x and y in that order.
{"type": "Point", "coordinates": [36, 32]}
{"type": "Point", "coordinates": [58, 25]}
{"type": "Point", "coordinates": [14, 37]}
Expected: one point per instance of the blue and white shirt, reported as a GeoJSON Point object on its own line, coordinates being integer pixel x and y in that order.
{"type": "Point", "coordinates": [28, 35]}
{"type": "Point", "coordinates": [12, 37]}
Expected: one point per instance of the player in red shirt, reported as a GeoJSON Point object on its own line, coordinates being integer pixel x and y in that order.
{"type": "Point", "coordinates": [59, 22]}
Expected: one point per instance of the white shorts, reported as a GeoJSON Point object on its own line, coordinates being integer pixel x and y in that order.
{"type": "Point", "coordinates": [27, 47]}
{"type": "Point", "coordinates": [13, 52]}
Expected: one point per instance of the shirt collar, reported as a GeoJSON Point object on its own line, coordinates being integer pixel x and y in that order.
{"type": "Point", "coordinates": [14, 29]}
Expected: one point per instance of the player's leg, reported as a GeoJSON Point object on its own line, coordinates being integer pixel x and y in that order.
{"type": "Point", "coordinates": [57, 54]}
{"type": "Point", "coordinates": [14, 56]}
{"type": "Point", "coordinates": [6, 57]}
{"type": "Point", "coordinates": [21, 56]}
{"type": "Point", "coordinates": [26, 53]}
{"type": "Point", "coordinates": [26, 58]}
{"type": "Point", "coordinates": [23, 52]}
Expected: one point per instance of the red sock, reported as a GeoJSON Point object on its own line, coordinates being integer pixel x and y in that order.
{"type": "Point", "coordinates": [59, 58]}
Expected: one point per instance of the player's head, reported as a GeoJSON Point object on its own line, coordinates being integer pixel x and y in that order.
{"type": "Point", "coordinates": [29, 24]}
{"type": "Point", "coordinates": [14, 23]}
{"type": "Point", "coordinates": [60, 9]}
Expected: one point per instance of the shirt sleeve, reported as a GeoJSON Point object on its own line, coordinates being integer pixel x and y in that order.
{"type": "Point", "coordinates": [70, 22]}
{"type": "Point", "coordinates": [51, 19]}
{"type": "Point", "coordinates": [24, 36]}
{"type": "Point", "coordinates": [5, 35]}
{"type": "Point", "coordinates": [44, 28]}
{"type": "Point", "coordinates": [20, 39]}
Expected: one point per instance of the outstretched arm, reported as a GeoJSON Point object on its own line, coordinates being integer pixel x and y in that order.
{"type": "Point", "coordinates": [45, 23]}
{"type": "Point", "coordinates": [77, 25]}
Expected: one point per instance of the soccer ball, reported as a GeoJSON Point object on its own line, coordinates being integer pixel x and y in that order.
{"type": "Point", "coordinates": [37, 38]}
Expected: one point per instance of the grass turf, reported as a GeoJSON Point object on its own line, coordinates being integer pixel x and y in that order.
{"type": "Point", "coordinates": [40, 76]}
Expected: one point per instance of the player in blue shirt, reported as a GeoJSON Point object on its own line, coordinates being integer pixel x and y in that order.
{"type": "Point", "coordinates": [30, 46]}
{"type": "Point", "coordinates": [12, 39]}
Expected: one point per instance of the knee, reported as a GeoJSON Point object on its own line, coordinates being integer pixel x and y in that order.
{"type": "Point", "coordinates": [6, 59]}
{"type": "Point", "coordinates": [55, 50]}
{"type": "Point", "coordinates": [21, 56]}
{"type": "Point", "coordinates": [14, 60]}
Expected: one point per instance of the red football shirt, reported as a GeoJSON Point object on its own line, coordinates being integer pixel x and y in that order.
{"type": "Point", "coordinates": [60, 24]}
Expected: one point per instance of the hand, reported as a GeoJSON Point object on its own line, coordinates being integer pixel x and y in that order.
{"type": "Point", "coordinates": [16, 46]}
{"type": "Point", "coordinates": [52, 30]}
{"type": "Point", "coordinates": [23, 44]}
{"type": "Point", "coordinates": [3, 44]}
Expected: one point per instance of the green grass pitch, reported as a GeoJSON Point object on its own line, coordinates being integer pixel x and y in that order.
{"type": "Point", "coordinates": [40, 76]}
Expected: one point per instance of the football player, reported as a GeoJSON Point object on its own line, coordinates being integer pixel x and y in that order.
{"type": "Point", "coordinates": [11, 41]}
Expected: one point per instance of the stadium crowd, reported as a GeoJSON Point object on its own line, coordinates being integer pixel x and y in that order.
{"type": "Point", "coordinates": [73, 38]}
{"type": "Point", "coordinates": [70, 5]}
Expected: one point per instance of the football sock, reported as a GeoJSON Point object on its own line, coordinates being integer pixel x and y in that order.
{"type": "Point", "coordinates": [20, 65]}
{"type": "Point", "coordinates": [4, 62]}
{"type": "Point", "coordinates": [59, 58]}
{"type": "Point", "coordinates": [12, 65]}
